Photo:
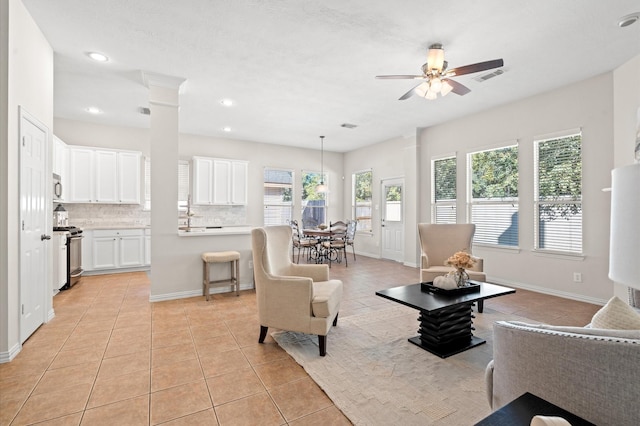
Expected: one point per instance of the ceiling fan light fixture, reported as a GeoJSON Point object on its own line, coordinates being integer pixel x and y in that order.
{"type": "Point", "coordinates": [431, 95]}
{"type": "Point", "coordinates": [436, 84]}
{"type": "Point", "coordinates": [446, 88]}
{"type": "Point", "coordinates": [435, 57]}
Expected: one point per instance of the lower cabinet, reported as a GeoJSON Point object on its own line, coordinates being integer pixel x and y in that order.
{"type": "Point", "coordinates": [117, 248]}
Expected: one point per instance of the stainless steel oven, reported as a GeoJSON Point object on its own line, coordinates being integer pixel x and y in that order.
{"type": "Point", "coordinates": [74, 254]}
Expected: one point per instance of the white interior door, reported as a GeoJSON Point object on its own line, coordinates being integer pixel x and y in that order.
{"type": "Point", "coordinates": [35, 235]}
{"type": "Point", "coordinates": [392, 220]}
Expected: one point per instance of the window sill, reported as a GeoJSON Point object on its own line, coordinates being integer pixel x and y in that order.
{"type": "Point", "coordinates": [509, 249]}
{"type": "Point", "coordinates": [558, 255]}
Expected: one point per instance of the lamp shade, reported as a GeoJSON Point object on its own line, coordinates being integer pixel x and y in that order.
{"type": "Point", "coordinates": [624, 249]}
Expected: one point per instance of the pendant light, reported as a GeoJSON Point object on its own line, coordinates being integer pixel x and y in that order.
{"type": "Point", "coordinates": [322, 187]}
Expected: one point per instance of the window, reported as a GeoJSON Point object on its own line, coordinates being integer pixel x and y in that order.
{"type": "Point", "coordinates": [314, 206]}
{"type": "Point", "coordinates": [361, 207]}
{"type": "Point", "coordinates": [184, 189]}
{"type": "Point", "coordinates": [494, 196]}
{"type": "Point", "coordinates": [278, 197]}
{"type": "Point", "coordinates": [444, 190]}
{"type": "Point", "coordinates": [558, 194]}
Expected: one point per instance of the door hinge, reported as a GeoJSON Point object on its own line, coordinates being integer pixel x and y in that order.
{"type": "Point", "coordinates": [23, 225]}
{"type": "Point", "coordinates": [23, 139]}
{"type": "Point", "coordinates": [23, 309]}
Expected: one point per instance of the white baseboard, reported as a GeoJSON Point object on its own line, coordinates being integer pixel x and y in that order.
{"type": "Point", "coordinates": [51, 315]}
{"type": "Point", "coordinates": [11, 354]}
{"type": "Point", "coordinates": [546, 290]}
{"type": "Point", "coordinates": [193, 293]}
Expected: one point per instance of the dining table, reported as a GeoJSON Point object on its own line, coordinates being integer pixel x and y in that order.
{"type": "Point", "coordinates": [319, 253]}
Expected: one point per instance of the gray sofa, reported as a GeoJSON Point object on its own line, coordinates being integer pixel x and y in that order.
{"type": "Point", "coordinates": [593, 373]}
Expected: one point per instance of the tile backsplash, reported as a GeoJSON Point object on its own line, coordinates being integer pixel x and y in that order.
{"type": "Point", "coordinates": [127, 215]}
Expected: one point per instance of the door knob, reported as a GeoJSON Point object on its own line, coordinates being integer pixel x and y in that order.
{"type": "Point", "coordinates": [45, 237]}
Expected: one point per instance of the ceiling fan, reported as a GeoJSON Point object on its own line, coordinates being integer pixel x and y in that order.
{"type": "Point", "coordinates": [438, 78]}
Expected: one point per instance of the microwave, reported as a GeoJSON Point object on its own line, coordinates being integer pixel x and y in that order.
{"type": "Point", "coordinates": [57, 188]}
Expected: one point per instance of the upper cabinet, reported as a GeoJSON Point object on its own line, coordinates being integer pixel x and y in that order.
{"type": "Point", "coordinates": [219, 181]}
{"type": "Point", "coordinates": [60, 165]}
{"type": "Point", "coordinates": [104, 176]}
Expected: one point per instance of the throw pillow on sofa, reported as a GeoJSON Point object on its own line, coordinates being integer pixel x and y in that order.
{"type": "Point", "coordinates": [617, 315]}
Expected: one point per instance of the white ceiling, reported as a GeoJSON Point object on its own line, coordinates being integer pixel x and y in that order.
{"type": "Point", "coordinates": [297, 69]}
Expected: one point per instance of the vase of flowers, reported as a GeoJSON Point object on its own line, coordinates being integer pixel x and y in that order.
{"type": "Point", "coordinates": [461, 261]}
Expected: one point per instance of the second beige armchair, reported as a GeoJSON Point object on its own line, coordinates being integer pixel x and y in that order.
{"type": "Point", "coordinates": [290, 296]}
{"type": "Point", "coordinates": [438, 242]}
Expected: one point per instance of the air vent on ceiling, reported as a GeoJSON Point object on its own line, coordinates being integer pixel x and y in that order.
{"type": "Point", "coordinates": [348, 125]}
{"type": "Point", "coordinates": [487, 76]}
{"type": "Point", "coordinates": [144, 111]}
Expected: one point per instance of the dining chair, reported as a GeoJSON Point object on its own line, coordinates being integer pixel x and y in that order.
{"type": "Point", "coordinates": [352, 225]}
{"type": "Point", "coordinates": [336, 246]}
{"type": "Point", "coordinates": [299, 242]}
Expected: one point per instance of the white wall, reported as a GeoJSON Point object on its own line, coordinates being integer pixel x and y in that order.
{"type": "Point", "coordinates": [587, 105]}
{"type": "Point", "coordinates": [28, 58]}
{"type": "Point", "coordinates": [390, 159]}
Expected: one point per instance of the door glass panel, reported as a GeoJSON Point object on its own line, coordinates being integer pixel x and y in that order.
{"type": "Point", "coordinates": [393, 205]}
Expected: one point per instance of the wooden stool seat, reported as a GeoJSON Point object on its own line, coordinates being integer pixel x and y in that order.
{"type": "Point", "coordinates": [208, 258]}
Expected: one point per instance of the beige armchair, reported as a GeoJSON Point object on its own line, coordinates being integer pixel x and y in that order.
{"type": "Point", "coordinates": [438, 242]}
{"type": "Point", "coordinates": [290, 296]}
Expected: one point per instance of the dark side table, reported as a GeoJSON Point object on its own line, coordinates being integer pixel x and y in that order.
{"type": "Point", "coordinates": [520, 411]}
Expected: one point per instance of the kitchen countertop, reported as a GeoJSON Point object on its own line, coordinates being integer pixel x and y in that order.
{"type": "Point", "coordinates": [213, 231]}
{"type": "Point", "coordinates": [92, 227]}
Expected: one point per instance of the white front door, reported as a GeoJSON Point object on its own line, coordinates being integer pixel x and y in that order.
{"type": "Point", "coordinates": [34, 210]}
{"type": "Point", "coordinates": [392, 220]}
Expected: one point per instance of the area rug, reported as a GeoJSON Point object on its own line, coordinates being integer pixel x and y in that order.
{"type": "Point", "coordinates": [376, 377]}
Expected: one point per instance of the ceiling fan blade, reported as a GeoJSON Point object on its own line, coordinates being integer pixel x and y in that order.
{"type": "Point", "coordinates": [389, 77]}
{"type": "Point", "coordinates": [480, 66]}
{"type": "Point", "coordinates": [458, 89]}
{"type": "Point", "coordinates": [409, 93]}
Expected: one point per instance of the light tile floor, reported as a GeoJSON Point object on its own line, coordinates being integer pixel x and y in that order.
{"type": "Point", "coordinates": [110, 357]}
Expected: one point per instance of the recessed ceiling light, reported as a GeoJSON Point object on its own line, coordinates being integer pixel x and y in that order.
{"type": "Point", "coordinates": [226, 129]}
{"type": "Point", "coordinates": [98, 57]}
{"type": "Point", "coordinates": [627, 20]}
{"type": "Point", "coordinates": [94, 110]}
{"type": "Point", "coordinates": [226, 102]}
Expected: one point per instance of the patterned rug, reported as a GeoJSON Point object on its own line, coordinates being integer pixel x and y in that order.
{"type": "Point", "coordinates": [376, 377]}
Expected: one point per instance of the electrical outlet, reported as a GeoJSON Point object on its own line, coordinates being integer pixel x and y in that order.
{"type": "Point", "coordinates": [250, 264]}
{"type": "Point", "coordinates": [577, 277]}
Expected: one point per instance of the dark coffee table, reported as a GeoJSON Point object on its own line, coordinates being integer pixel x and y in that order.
{"type": "Point", "coordinates": [445, 319]}
{"type": "Point", "coordinates": [521, 410]}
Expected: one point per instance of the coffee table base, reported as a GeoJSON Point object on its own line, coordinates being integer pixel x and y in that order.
{"type": "Point", "coordinates": [447, 350]}
{"type": "Point", "coordinates": [447, 331]}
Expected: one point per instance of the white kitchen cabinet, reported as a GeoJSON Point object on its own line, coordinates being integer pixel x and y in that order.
{"type": "Point", "coordinates": [104, 176]}
{"type": "Point", "coordinates": [81, 181]}
{"type": "Point", "coordinates": [129, 167]}
{"type": "Point", "coordinates": [117, 248]}
{"type": "Point", "coordinates": [219, 181]}
{"type": "Point", "coordinates": [59, 246]}
{"type": "Point", "coordinates": [60, 164]}
{"type": "Point", "coordinates": [202, 180]}
{"type": "Point", "coordinates": [239, 173]}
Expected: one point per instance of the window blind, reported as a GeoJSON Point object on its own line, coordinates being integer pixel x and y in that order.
{"type": "Point", "coordinates": [444, 190]}
{"type": "Point", "coordinates": [494, 196]}
{"type": "Point", "coordinates": [278, 197]}
{"type": "Point", "coordinates": [558, 194]}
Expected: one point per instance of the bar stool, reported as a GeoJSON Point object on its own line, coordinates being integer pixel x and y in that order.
{"type": "Point", "coordinates": [233, 257]}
